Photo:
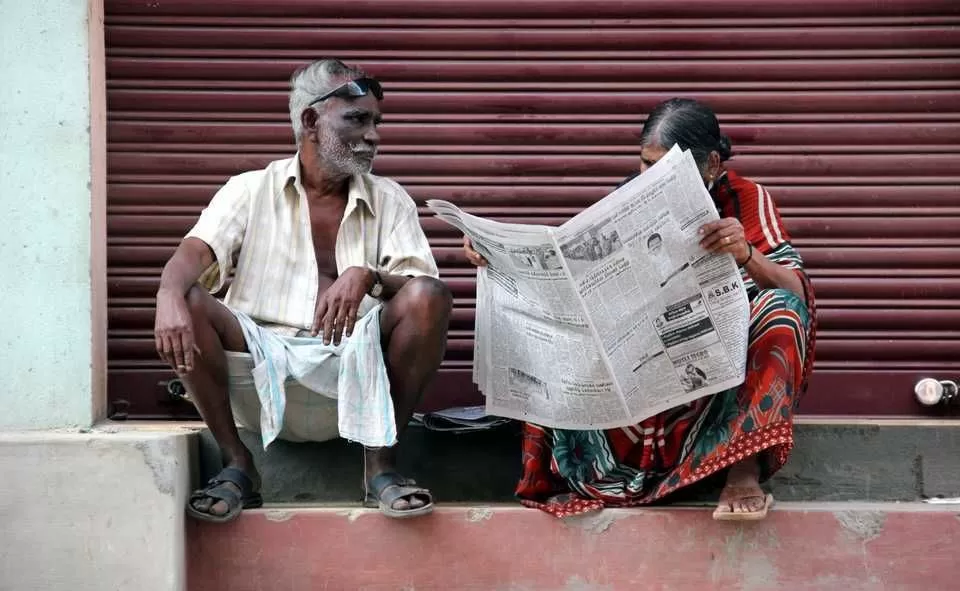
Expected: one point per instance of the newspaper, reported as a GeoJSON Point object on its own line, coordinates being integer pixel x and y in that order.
{"type": "Point", "coordinates": [459, 419]}
{"type": "Point", "coordinates": [614, 316]}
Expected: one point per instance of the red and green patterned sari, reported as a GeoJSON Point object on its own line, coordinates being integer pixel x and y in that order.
{"type": "Point", "coordinates": [568, 472]}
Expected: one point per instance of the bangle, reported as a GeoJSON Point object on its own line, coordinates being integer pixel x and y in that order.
{"type": "Point", "coordinates": [744, 263]}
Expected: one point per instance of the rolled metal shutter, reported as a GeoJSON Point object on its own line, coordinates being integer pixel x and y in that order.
{"type": "Point", "coordinates": [529, 111]}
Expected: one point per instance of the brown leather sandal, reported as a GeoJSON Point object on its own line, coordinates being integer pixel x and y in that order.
{"type": "Point", "coordinates": [721, 514]}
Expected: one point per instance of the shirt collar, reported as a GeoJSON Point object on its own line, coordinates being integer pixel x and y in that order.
{"type": "Point", "coordinates": [359, 186]}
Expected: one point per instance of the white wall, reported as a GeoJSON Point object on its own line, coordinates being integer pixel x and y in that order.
{"type": "Point", "coordinates": [47, 354]}
{"type": "Point", "coordinates": [93, 511]}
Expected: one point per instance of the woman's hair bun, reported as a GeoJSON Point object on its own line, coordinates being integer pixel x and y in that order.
{"type": "Point", "coordinates": [724, 148]}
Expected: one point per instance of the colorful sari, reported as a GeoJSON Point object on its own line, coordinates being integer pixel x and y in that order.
{"type": "Point", "coordinates": [570, 472]}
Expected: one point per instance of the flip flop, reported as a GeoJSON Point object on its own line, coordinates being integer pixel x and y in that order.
{"type": "Point", "coordinates": [386, 488]}
{"type": "Point", "coordinates": [218, 488]}
{"type": "Point", "coordinates": [730, 515]}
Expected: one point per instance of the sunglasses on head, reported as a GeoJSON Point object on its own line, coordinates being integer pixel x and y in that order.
{"type": "Point", "coordinates": [353, 89]}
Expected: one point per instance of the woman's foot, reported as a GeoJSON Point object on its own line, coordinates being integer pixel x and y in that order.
{"type": "Point", "coordinates": [742, 498]}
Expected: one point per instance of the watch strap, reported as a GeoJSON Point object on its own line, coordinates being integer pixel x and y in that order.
{"type": "Point", "coordinates": [377, 286]}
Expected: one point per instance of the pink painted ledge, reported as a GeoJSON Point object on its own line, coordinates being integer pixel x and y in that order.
{"type": "Point", "coordinates": [800, 546]}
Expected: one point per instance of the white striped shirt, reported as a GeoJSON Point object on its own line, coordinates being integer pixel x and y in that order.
{"type": "Point", "coordinates": [258, 225]}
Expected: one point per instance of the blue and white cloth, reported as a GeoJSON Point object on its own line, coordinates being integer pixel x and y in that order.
{"type": "Point", "coordinates": [353, 372]}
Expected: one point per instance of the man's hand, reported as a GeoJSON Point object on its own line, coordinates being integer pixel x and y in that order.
{"type": "Point", "coordinates": [173, 331]}
{"type": "Point", "coordinates": [336, 311]}
{"type": "Point", "coordinates": [473, 256]}
{"type": "Point", "coordinates": [725, 235]}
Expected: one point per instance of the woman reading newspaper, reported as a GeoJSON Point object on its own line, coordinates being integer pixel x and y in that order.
{"type": "Point", "coordinates": [746, 431]}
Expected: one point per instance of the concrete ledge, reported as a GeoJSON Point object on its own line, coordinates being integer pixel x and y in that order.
{"type": "Point", "coordinates": [815, 547]}
{"type": "Point", "coordinates": [833, 461]}
{"type": "Point", "coordinates": [476, 467]}
{"type": "Point", "coordinates": [96, 510]}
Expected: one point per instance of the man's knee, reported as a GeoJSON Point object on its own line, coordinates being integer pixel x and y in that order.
{"type": "Point", "coordinates": [206, 312]}
{"type": "Point", "coordinates": [427, 300]}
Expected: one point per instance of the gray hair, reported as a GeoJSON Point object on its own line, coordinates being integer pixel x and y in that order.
{"type": "Point", "coordinates": [691, 125]}
{"type": "Point", "coordinates": [312, 81]}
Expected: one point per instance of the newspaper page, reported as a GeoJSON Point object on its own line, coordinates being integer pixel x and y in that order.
{"type": "Point", "coordinates": [614, 316]}
{"type": "Point", "coordinates": [671, 319]}
{"type": "Point", "coordinates": [535, 356]}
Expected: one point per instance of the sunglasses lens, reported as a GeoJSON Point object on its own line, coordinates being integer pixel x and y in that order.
{"type": "Point", "coordinates": [352, 90]}
{"type": "Point", "coordinates": [375, 88]}
{"type": "Point", "coordinates": [369, 85]}
{"type": "Point", "coordinates": [355, 89]}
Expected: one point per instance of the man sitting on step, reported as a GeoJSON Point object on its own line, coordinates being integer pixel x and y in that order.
{"type": "Point", "coordinates": [335, 320]}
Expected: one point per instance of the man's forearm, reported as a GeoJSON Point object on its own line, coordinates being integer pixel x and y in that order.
{"type": "Point", "coordinates": [188, 262]}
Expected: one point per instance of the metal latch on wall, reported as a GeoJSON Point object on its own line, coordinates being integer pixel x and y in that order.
{"type": "Point", "coordinates": [931, 392]}
{"type": "Point", "coordinates": [118, 410]}
{"type": "Point", "coordinates": [177, 391]}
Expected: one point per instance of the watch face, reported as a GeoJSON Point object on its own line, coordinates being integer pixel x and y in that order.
{"type": "Point", "coordinates": [376, 290]}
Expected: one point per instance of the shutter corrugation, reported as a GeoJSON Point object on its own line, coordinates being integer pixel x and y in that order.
{"type": "Point", "coordinates": [529, 111]}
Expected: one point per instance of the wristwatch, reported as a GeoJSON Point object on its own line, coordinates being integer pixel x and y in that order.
{"type": "Point", "coordinates": [376, 290]}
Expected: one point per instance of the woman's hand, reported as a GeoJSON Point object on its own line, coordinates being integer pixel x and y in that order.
{"type": "Point", "coordinates": [473, 256]}
{"type": "Point", "coordinates": [726, 235]}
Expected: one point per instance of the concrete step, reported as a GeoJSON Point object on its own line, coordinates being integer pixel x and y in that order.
{"type": "Point", "coordinates": [834, 460]}
{"type": "Point", "coordinates": [799, 547]}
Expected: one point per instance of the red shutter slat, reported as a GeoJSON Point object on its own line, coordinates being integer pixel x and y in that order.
{"type": "Point", "coordinates": [529, 111]}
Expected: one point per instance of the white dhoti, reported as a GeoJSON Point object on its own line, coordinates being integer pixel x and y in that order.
{"type": "Point", "coordinates": [298, 389]}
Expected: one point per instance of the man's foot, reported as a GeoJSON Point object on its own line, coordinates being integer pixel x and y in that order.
{"type": "Point", "coordinates": [742, 499]}
{"type": "Point", "coordinates": [225, 496]}
{"type": "Point", "coordinates": [384, 488]}
{"type": "Point", "coordinates": [397, 497]}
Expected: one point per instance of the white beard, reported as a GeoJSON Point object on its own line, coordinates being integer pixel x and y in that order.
{"type": "Point", "coordinates": [339, 158]}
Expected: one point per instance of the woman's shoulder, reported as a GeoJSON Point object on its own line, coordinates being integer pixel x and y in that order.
{"type": "Point", "coordinates": [740, 184]}
{"type": "Point", "coordinates": [742, 190]}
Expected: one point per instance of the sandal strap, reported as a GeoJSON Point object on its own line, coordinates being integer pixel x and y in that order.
{"type": "Point", "coordinates": [237, 477]}
{"type": "Point", "coordinates": [739, 493]}
{"type": "Point", "coordinates": [394, 493]}
{"type": "Point", "coordinates": [219, 491]}
{"type": "Point", "coordinates": [389, 487]}
{"type": "Point", "coordinates": [217, 487]}
{"type": "Point", "coordinates": [382, 481]}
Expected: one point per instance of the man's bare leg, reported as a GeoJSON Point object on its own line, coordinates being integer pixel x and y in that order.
{"type": "Point", "coordinates": [216, 330]}
{"type": "Point", "coordinates": [413, 328]}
